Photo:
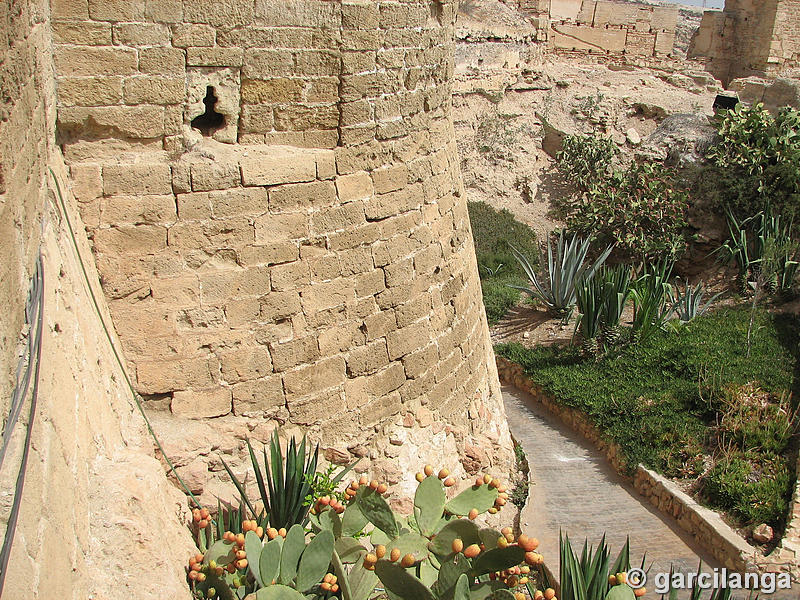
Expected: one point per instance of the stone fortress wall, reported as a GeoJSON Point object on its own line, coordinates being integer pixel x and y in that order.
{"type": "Point", "coordinates": [309, 262]}
{"type": "Point", "coordinates": [88, 444]}
{"type": "Point", "coordinates": [749, 38]}
{"type": "Point", "coordinates": [601, 26]}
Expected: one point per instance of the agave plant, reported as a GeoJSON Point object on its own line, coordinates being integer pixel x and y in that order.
{"type": "Point", "coordinates": [592, 576]}
{"type": "Point", "coordinates": [284, 489]}
{"type": "Point", "coordinates": [651, 309]}
{"type": "Point", "coordinates": [601, 301]}
{"type": "Point", "coordinates": [565, 271]}
{"type": "Point", "coordinates": [687, 303]}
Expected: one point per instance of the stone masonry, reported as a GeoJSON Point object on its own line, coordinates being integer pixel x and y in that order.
{"type": "Point", "coordinates": [600, 26]}
{"type": "Point", "coordinates": [750, 38]}
{"type": "Point", "coordinates": [307, 262]}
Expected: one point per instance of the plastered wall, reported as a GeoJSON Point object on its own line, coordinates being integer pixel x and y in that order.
{"type": "Point", "coordinates": [95, 500]}
{"type": "Point", "coordinates": [317, 267]}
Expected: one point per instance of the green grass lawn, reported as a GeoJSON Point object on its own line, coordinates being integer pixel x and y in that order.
{"type": "Point", "coordinates": [494, 232]}
{"type": "Point", "coordinates": [678, 396]}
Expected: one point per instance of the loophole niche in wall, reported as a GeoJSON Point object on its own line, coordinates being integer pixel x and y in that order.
{"type": "Point", "coordinates": [212, 103]}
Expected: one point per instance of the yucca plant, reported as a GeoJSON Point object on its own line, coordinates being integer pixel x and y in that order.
{"type": "Point", "coordinates": [589, 296]}
{"type": "Point", "coordinates": [283, 487]}
{"type": "Point", "coordinates": [565, 272]}
{"type": "Point", "coordinates": [651, 292]}
{"type": "Point", "coordinates": [601, 301]}
{"type": "Point", "coordinates": [616, 292]}
{"type": "Point", "coordinates": [687, 303]}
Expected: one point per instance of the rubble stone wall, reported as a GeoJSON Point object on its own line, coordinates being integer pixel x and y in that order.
{"type": "Point", "coordinates": [95, 500]}
{"type": "Point", "coordinates": [309, 263]}
{"type": "Point", "coordinates": [606, 27]}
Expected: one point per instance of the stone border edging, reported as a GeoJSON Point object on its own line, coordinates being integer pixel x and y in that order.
{"type": "Point", "coordinates": [704, 525]}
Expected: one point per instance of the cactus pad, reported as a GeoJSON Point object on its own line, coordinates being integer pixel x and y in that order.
{"type": "Point", "coordinates": [377, 511]}
{"type": "Point", "coordinates": [498, 559]}
{"type": "Point", "coordinates": [480, 497]}
{"type": "Point", "coordinates": [315, 560]}
{"type": "Point", "coordinates": [466, 531]}
{"type": "Point", "coordinates": [428, 505]}
{"type": "Point", "coordinates": [400, 582]}
{"type": "Point", "coordinates": [278, 592]}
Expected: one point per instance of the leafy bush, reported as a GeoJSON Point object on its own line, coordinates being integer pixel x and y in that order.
{"type": "Point", "coordinates": [760, 156]}
{"type": "Point", "coordinates": [647, 398]}
{"type": "Point", "coordinates": [638, 209]}
{"type": "Point", "coordinates": [754, 488]}
{"type": "Point", "coordinates": [494, 233]}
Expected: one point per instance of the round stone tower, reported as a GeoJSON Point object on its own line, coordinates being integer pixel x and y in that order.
{"type": "Point", "coordinates": [274, 195]}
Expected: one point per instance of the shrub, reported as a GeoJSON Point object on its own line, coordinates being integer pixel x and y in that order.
{"type": "Point", "coordinates": [647, 398]}
{"type": "Point", "coordinates": [495, 232]}
{"type": "Point", "coordinates": [754, 488]}
{"type": "Point", "coordinates": [761, 156]}
{"type": "Point", "coordinates": [638, 209]}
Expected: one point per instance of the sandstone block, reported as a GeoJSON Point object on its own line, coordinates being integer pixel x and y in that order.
{"type": "Point", "coordinates": [221, 13]}
{"type": "Point", "coordinates": [178, 291]}
{"type": "Point", "coordinates": [185, 35]}
{"type": "Point", "coordinates": [145, 179]}
{"type": "Point", "coordinates": [317, 63]}
{"type": "Point", "coordinates": [203, 404]}
{"type": "Point", "coordinates": [298, 13]}
{"type": "Point", "coordinates": [89, 91]}
{"type": "Point", "coordinates": [245, 363]}
{"type": "Point", "coordinates": [128, 121]}
{"type": "Point", "coordinates": [356, 186]}
{"type": "Point", "coordinates": [70, 9]}
{"type": "Point", "coordinates": [237, 202]}
{"type": "Point", "coordinates": [279, 305]}
{"type": "Point", "coordinates": [164, 11]}
{"type": "Point", "coordinates": [220, 286]}
{"type": "Point", "coordinates": [295, 117]}
{"type": "Point", "coordinates": [214, 57]}
{"type": "Point", "coordinates": [312, 379]}
{"type": "Point", "coordinates": [295, 352]}
{"type": "Point", "coordinates": [290, 276]}
{"type": "Point", "coordinates": [209, 175]}
{"type": "Point", "coordinates": [322, 296]}
{"type": "Point", "coordinates": [117, 10]}
{"type": "Point", "coordinates": [322, 90]}
{"type": "Point", "coordinates": [316, 409]}
{"type": "Point", "coordinates": [154, 90]}
{"type": "Point", "coordinates": [301, 196]}
{"type": "Point", "coordinates": [272, 91]}
{"type": "Point", "coordinates": [252, 397]}
{"type": "Point", "coordinates": [137, 210]}
{"type": "Point", "coordinates": [266, 37]}
{"type": "Point", "coordinates": [269, 254]}
{"type": "Point", "coordinates": [84, 33]}
{"type": "Point", "coordinates": [390, 179]}
{"type": "Point", "coordinates": [407, 339]}
{"type": "Point", "coordinates": [360, 15]}
{"type": "Point", "coordinates": [387, 205]}
{"type": "Point", "coordinates": [361, 40]}
{"type": "Point", "coordinates": [333, 340]}
{"type": "Point", "coordinates": [87, 181]}
{"type": "Point", "coordinates": [141, 34]}
{"type": "Point", "coordinates": [367, 359]}
{"type": "Point", "coordinates": [163, 377]}
{"type": "Point", "coordinates": [337, 218]}
{"type": "Point", "coordinates": [274, 170]}
{"type": "Point", "coordinates": [95, 61]}
{"type": "Point", "coordinates": [380, 409]}
{"type": "Point", "coordinates": [261, 63]}
{"type": "Point", "coordinates": [271, 228]}
{"type": "Point", "coordinates": [380, 324]}
{"type": "Point", "coordinates": [131, 240]}
{"type": "Point", "coordinates": [258, 118]}
{"type": "Point", "coordinates": [162, 61]}
{"type": "Point", "coordinates": [370, 283]}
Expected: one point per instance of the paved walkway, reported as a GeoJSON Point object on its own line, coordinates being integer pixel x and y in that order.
{"type": "Point", "coordinates": [573, 489]}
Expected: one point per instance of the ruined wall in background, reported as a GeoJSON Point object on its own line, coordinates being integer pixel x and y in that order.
{"type": "Point", "coordinates": [606, 27]}
{"type": "Point", "coordinates": [310, 263]}
{"type": "Point", "coordinates": [95, 499]}
{"type": "Point", "coordinates": [749, 38]}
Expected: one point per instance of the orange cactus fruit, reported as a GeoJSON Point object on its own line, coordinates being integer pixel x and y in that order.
{"type": "Point", "coordinates": [380, 551]}
{"type": "Point", "coordinates": [382, 488]}
{"type": "Point", "coordinates": [549, 594]}
{"type": "Point", "coordinates": [394, 555]}
{"type": "Point", "coordinates": [473, 514]}
{"type": "Point", "coordinates": [374, 484]}
{"type": "Point", "coordinates": [204, 513]}
{"type": "Point", "coordinates": [370, 559]}
{"type": "Point", "coordinates": [282, 532]}
{"type": "Point", "coordinates": [492, 511]}
{"type": "Point", "coordinates": [363, 480]}
{"type": "Point", "coordinates": [519, 596]}
{"type": "Point", "coordinates": [472, 551]}
{"type": "Point", "coordinates": [449, 482]}
{"type": "Point", "coordinates": [240, 554]}
{"type": "Point", "coordinates": [502, 542]}
{"type": "Point", "coordinates": [443, 474]}
{"type": "Point", "coordinates": [260, 531]}
{"type": "Point", "coordinates": [479, 481]}
{"type": "Point", "coordinates": [457, 545]}
{"type": "Point", "coordinates": [538, 595]}
{"type": "Point", "coordinates": [612, 580]}
{"type": "Point", "coordinates": [419, 477]}
{"type": "Point", "coordinates": [639, 592]}
{"type": "Point", "coordinates": [407, 561]}
{"type": "Point", "coordinates": [193, 575]}
{"type": "Point", "coordinates": [428, 470]}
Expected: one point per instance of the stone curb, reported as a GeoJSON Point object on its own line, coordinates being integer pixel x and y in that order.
{"type": "Point", "coordinates": [704, 525]}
